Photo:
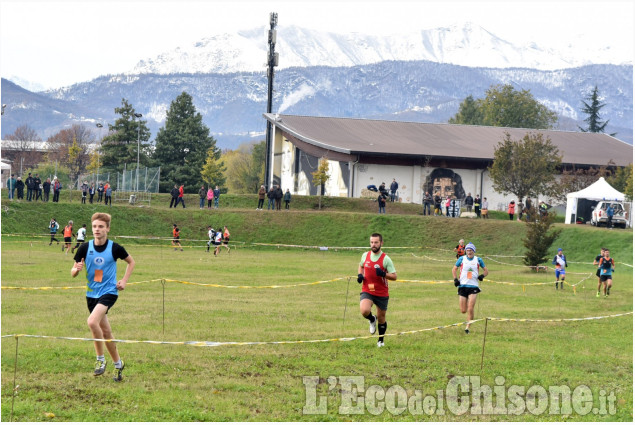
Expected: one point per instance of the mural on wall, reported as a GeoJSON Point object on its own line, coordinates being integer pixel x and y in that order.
{"type": "Point", "coordinates": [446, 182]}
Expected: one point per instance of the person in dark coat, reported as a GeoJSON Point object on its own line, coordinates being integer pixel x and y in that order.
{"type": "Point", "coordinates": [278, 195]}
{"type": "Point", "coordinates": [46, 189]}
{"type": "Point", "coordinates": [469, 202]}
{"type": "Point", "coordinates": [393, 190]}
{"type": "Point", "coordinates": [175, 196]}
{"type": "Point", "coordinates": [30, 185]}
{"type": "Point", "coordinates": [271, 196]}
{"type": "Point", "coordinates": [19, 185]}
{"type": "Point", "coordinates": [37, 182]}
{"type": "Point", "coordinates": [287, 199]}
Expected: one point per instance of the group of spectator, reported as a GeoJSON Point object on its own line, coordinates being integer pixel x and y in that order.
{"type": "Point", "coordinates": [38, 189]}
{"type": "Point", "coordinates": [274, 196]}
{"type": "Point", "coordinates": [211, 195]}
{"type": "Point", "coordinates": [450, 207]}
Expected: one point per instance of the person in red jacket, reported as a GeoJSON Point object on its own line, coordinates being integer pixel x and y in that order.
{"type": "Point", "coordinates": [374, 271]}
{"type": "Point", "coordinates": [180, 199]}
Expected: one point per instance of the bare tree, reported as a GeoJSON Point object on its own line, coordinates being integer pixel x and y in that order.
{"type": "Point", "coordinates": [21, 147]}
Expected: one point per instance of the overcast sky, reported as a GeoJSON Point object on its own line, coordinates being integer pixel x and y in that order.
{"type": "Point", "coordinates": [58, 43]}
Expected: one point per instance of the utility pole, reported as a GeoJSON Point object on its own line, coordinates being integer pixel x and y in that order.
{"type": "Point", "coordinates": [272, 61]}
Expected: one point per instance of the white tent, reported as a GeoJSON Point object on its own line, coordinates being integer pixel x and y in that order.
{"type": "Point", "coordinates": [6, 173]}
{"type": "Point", "coordinates": [598, 191]}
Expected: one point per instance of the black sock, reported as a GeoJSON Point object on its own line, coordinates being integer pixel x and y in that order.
{"type": "Point", "coordinates": [382, 330]}
{"type": "Point", "coordinates": [370, 317]}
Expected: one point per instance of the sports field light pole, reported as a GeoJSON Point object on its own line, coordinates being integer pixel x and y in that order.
{"type": "Point", "coordinates": [272, 61]}
{"type": "Point", "coordinates": [138, 148]}
{"type": "Point", "coordinates": [100, 126]}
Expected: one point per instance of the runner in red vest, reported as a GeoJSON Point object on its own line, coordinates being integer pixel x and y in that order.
{"type": "Point", "coordinates": [68, 236]}
{"type": "Point", "coordinates": [176, 233]}
{"type": "Point", "coordinates": [374, 271]}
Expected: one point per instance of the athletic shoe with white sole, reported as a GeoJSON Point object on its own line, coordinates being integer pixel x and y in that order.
{"type": "Point", "coordinates": [100, 367]}
{"type": "Point", "coordinates": [380, 344]}
{"type": "Point", "coordinates": [118, 373]}
{"type": "Point", "coordinates": [373, 326]}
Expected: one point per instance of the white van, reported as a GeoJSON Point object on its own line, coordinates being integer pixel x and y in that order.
{"type": "Point", "coordinates": [599, 218]}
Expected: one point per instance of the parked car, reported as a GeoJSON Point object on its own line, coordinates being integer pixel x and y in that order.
{"type": "Point", "coordinates": [599, 218]}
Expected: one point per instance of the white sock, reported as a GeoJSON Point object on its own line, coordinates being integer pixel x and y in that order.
{"type": "Point", "coordinates": [101, 358]}
{"type": "Point", "coordinates": [118, 364]}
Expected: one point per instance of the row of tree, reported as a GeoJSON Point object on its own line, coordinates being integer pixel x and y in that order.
{"type": "Point", "coordinates": [188, 155]}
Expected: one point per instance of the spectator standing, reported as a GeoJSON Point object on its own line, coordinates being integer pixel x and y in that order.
{"type": "Point", "coordinates": [609, 216]}
{"type": "Point", "coordinates": [393, 190]}
{"type": "Point", "coordinates": [202, 194]}
{"type": "Point", "coordinates": [437, 204]}
{"type": "Point", "coordinates": [210, 197]}
{"type": "Point", "coordinates": [271, 196]}
{"type": "Point", "coordinates": [19, 185]}
{"type": "Point", "coordinates": [510, 209]}
{"type": "Point", "coordinates": [477, 206]}
{"type": "Point", "coordinates": [521, 209]}
{"type": "Point", "coordinates": [175, 196]}
{"type": "Point", "coordinates": [381, 202]}
{"type": "Point", "coordinates": [106, 187]}
{"type": "Point", "coordinates": [57, 187]}
{"type": "Point", "coordinates": [528, 211]}
{"type": "Point", "coordinates": [382, 188]}
{"type": "Point", "coordinates": [37, 182]}
{"type": "Point", "coordinates": [278, 196]}
{"type": "Point", "coordinates": [46, 188]}
{"type": "Point", "coordinates": [108, 194]}
{"type": "Point", "coordinates": [30, 185]}
{"type": "Point", "coordinates": [447, 206]}
{"type": "Point", "coordinates": [485, 208]}
{"type": "Point", "coordinates": [287, 199]}
{"type": "Point", "coordinates": [53, 227]}
{"type": "Point", "coordinates": [91, 192]}
{"type": "Point", "coordinates": [11, 186]}
{"type": "Point", "coordinates": [469, 202]}
{"type": "Point", "coordinates": [262, 192]}
{"type": "Point", "coordinates": [84, 188]}
{"type": "Point", "coordinates": [100, 192]}
{"type": "Point", "coordinates": [216, 197]}
{"type": "Point", "coordinates": [427, 201]}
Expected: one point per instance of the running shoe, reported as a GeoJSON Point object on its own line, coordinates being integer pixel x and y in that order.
{"type": "Point", "coordinates": [373, 326]}
{"type": "Point", "coordinates": [118, 373]}
{"type": "Point", "coordinates": [100, 367]}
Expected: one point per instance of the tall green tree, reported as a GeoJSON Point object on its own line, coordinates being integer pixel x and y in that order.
{"type": "Point", "coordinates": [505, 107]}
{"type": "Point", "coordinates": [592, 109]}
{"type": "Point", "coordinates": [621, 179]}
{"type": "Point", "coordinates": [539, 238]}
{"type": "Point", "coordinates": [213, 169]}
{"type": "Point", "coordinates": [182, 146]}
{"type": "Point", "coordinates": [245, 167]}
{"type": "Point", "coordinates": [469, 113]}
{"type": "Point", "coordinates": [525, 167]}
{"type": "Point", "coordinates": [119, 147]}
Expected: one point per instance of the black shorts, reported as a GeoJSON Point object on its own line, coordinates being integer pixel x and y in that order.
{"type": "Point", "coordinates": [380, 302]}
{"type": "Point", "coordinates": [597, 273]}
{"type": "Point", "coordinates": [68, 240]}
{"type": "Point", "coordinates": [175, 240]}
{"type": "Point", "coordinates": [226, 241]}
{"type": "Point", "coordinates": [107, 299]}
{"type": "Point", "coordinates": [466, 291]}
{"type": "Point", "coordinates": [606, 277]}
{"type": "Point", "coordinates": [217, 243]}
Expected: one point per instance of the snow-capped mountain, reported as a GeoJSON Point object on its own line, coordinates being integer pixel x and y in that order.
{"type": "Point", "coordinates": [466, 44]}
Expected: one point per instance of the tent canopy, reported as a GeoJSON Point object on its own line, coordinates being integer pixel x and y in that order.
{"type": "Point", "coordinates": [598, 191]}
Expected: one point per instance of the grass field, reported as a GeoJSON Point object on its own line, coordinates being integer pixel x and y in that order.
{"type": "Point", "coordinates": [265, 382]}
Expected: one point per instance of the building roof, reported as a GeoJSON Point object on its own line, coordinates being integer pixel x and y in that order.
{"type": "Point", "coordinates": [363, 136]}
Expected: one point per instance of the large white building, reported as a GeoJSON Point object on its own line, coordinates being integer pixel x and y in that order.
{"type": "Point", "coordinates": [450, 159]}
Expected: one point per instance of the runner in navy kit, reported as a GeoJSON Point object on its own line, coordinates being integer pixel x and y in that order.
{"type": "Point", "coordinates": [375, 269]}
{"type": "Point", "coordinates": [100, 256]}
